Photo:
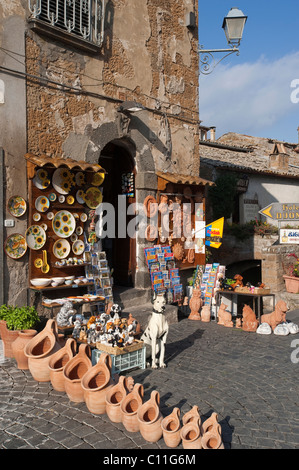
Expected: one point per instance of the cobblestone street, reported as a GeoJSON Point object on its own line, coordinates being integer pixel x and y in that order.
{"type": "Point", "coordinates": [250, 380]}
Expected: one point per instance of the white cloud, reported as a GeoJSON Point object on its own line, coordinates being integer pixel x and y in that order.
{"type": "Point", "coordinates": [250, 98]}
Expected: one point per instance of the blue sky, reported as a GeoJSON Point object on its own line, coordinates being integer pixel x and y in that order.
{"type": "Point", "coordinates": [251, 93]}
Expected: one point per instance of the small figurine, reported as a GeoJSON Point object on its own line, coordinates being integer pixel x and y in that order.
{"type": "Point", "coordinates": [77, 329]}
{"type": "Point", "coordinates": [195, 305]}
{"type": "Point", "coordinates": [206, 313]}
{"type": "Point", "coordinates": [238, 281]}
{"type": "Point", "coordinates": [250, 323]}
{"type": "Point", "coordinates": [224, 317]}
{"type": "Point", "coordinates": [66, 312]}
{"type": "Point", "coordinates": [276, 317]}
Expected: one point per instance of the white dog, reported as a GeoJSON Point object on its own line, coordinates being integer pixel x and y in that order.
{"type": "Point", "coordinates": [156, 332]}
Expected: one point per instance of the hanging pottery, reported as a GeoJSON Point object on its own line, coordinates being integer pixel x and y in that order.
{"type": "Point", "coordinates": [150, 418]}
{"type": "Point", "coordinates": [52, 197]}
{"type": "Point", "coordinates": [73, 372]}
{"type": "Point", "coordinates": [61, 248]}
{"type": "Point", "coordinates": [93, 197]}
{"type": "Point", "coordinates": [151, 233]}
{"type": "Point", "coordinates": [40, 349]}
{"type": "Point", "coordinates": [78, 247]}
{"type": "Point", "coordinates": [79, 196]}
{"type": "Point", "coordinates": [64, 224]}
{"type": "Point", "coordinates": [35, 237]}
{"type": "Point", "coordinates": [80, 178]}
{"type": "Point", "coordinates": [98, 179]}
{"type": "Point", "coordinates": [57, 363]}
{"type": "Point", "coordinates": [42, 204]}
{"type": "Point", "coordinates": [17, 206]}
{"type": "Point", "coordinates": [41, 179]}
{"type": "Point", "coordinates": [15, 246]}
{"type": "Point", "coordinates": [63, 180]}
{"type": "Point", "coordinates": [178, 251]}
{"type": "Point", "coordinates": [150, 206]}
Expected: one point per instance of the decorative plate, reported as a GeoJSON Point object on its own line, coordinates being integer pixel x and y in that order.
{"type": "Point", "coordinates": [38, 263]}
{"type": "Point", "coordinates": [61, 198]}
{"type": "Point", "coordinates": [70, 199]}
{"type": "Point", "coordinates": [74, 237]}
{"type": "Point", "coordinates": [78, 247]}
{"type": "Point", "coordinates": [64, 224]}
{"type": "Point", "coordinates": [35, 237]}
{"type": "Point", "coordinates": [98, 178]}
{"type": "Point", "coordinates": [83, 217]}
{"type": "Point", "coordinates": [63, 180]}
{"type": "Point", "coordinates": [42, 203]}
{"type": "Point", "coordinates": [41, 179]}
{"type": "Point", "coordinates": [44, 226]}
{"type": "Point", "coordinates": [79, 230]}
{"type": "Point", "coordinates": [15, 246]}
{"type": "Point", "coordinates": [151, 233]}
{"type": "Point", "coordinates": [36, 216]}
{"type": "Point", "coordinates": [93, 197]}
{"type": "Point", "coordinates": [61, 248]}
{"type": "Point", "coordinates": [17, 206]}
{"type": "Point", "coordinates": [50, 215]}
{"type": "Point", "coordinates": [79, 196]}
{"type": "Point", "coordinates": [80, 178]}
{"type": "Point", "coordinates": [52, 197]}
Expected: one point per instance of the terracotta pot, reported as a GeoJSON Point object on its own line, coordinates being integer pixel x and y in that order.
{"type": "Point", "coordinates": [190, 434]}
{"type": "Point", "coordinates": [171, 427]}
{"type": "Point", "coordinates": [212, 440]}
{"type": "Point", "coordinates": [18, 347]}
{"type": "Point", "coordinates": [96, 382]}
{"type": "Point", "coordinates": [292, 284]}
{"type": "Point", "coordinates": [8, 337]}
{"type": "Point", "coordinates": [129, 407]}
{"type": "Point", "coordinates": [73, 372]}
{"type": "Point", "coordinates": [206, 313]}
{"type": "Point", "coordinates": [192, 415]}
{"type": "Point", "coordinates": [115, 396]}
{"type": "Point", "coordinates": [150, 418]}
{"type": "Point", "coordinates": [211, 424]}
{"type": "Point", "coordinates": [40, 349]}
{"type": "Point", "coordinates": [58, 362]}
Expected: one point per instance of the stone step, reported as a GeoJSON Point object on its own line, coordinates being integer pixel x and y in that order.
{"type": "Point", "coordinates": [143, 312]}
{"type": "Point", "coordinates": [130, 297]}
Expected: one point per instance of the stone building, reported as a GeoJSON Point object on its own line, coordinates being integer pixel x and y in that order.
{"type": "Point", "coordinates": [69, 71]}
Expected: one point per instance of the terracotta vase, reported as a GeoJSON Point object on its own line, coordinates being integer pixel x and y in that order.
{"type": "Point", "coordinates": [171, 427]}
{"type": "Point", "coordinates": [73, 372]}
{"type": "Point", "coordinates": [212, 440]}
{"type": "Point", "coordinates": [150, 418]}
{"type": "Point", "coordinates": [211, 424]}
{"type": "Point", "coordinates": [96, 382]}
{"type": "Point", "coordinates": [192, 415]}
{"type": "Point", "coordinates": [115, 396]}
{"type": "Point", "coordinates": [40, 349]}
{"type": "Point", "coordinates": [8, 337]}
{"type": "Point", "coordinates": [206, 313]}
{"type": "Point", "coordinates": [195, 305]}
{"type": "Point", "coordinates": [18, 347]}
{"type": "Point", "coordinates": [58, 361]}
{"type": "Point", "coordinates": [129, 407]}
{"type": "Point", "coordinates": [191, 435]}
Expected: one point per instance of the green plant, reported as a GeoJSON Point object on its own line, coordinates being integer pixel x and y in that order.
{"type": "Point", "coordinates": [291, 265]}
{"type": "Point", "coordinates": [241, 231]}
{"type": "Point", "coordinates": [19, 318]}
{"type": "Point", "coordinates": [222, 195]}
{"type": "Point", "coordinates": [263, 228]}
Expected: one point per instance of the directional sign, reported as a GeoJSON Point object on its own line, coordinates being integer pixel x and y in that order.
{"type": "Point", "coordinates": [281, 211]}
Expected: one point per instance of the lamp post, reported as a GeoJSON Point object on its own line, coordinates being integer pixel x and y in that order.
{"type": "Point", "coordinates": [233, 25]}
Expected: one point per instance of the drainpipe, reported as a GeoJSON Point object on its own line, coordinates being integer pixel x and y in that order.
{"type": "Point", "coordinates": [1, 225]}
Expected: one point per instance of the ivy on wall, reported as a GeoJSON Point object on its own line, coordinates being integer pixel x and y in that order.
{"type": "Point", "coordinates": [222, 195]}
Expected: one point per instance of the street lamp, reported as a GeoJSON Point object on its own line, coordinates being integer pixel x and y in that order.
{"type": "Point", "coordinates": [233, 25]}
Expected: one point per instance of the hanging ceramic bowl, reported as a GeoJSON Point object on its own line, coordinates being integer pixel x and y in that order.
{"type": "Point", "coordinates": [44, 226]}
{"type": "Point", "coordinates": [79, 231]}
{"type": "Point", "coordinates": [98, 178]}
{"type": "Point", "coordinates": [74, 237]}
{"type": "Point", "coordinates": [93, 197]}
{"type": "Point", "coordinates": [61, 198]}
{"type": "Point", "coordinates": [61, 248]}
{"type": "Point", "coordinates": [80, 178]}
{"type": "Point", "coordinates": [70, 199]}
{"type": "Point", "coordinates": [17, 206]}
{"type": "Point", "coordinates": [35, 237]}
{"type": "Point", "coordinates": [15, 246]}
{"type": "Point", "coordinates": [52, 197]}
{"type": "Point", "coordinates": [41, 179]}
{"type": "Point", "coordinates": [50, 215]}
{"type": "Point", "coordinates": [83, 217]}
{"type": "Point", "coordinates": [42, 204]}
{"type": "Point", "coordinates": [64, 224]}
{"type": "Point", "coordinates": [36, 216]}
{"type": "Point", "coordinates": [78, 247]}
{"type": "Point", "coordinates": [79, 196]}
{"type": "Point", "coordinates": [63, 180]}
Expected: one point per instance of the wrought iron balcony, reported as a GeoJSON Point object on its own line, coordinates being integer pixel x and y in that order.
{"type": "Point", "coordinates": [79, 22]}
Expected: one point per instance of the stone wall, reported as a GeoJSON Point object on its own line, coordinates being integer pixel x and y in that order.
{"type": "Point", "coordinates": [274, 260]}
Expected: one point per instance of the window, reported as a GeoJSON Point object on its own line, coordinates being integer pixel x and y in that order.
{"type": "Point", "coordinates": [77, 19]}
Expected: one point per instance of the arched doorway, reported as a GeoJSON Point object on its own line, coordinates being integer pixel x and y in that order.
{"type": "Point", "coordinates": [121, 250]}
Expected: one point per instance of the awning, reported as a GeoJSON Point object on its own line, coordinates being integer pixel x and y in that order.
{"type": "Point", "coordinates": [184, 179]}
{"type": "Point", "coordinates": [34, 160]}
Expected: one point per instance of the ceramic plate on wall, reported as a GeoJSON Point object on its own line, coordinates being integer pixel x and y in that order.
{"type": "Point", "coordinates": [83, 217]}
{"type": "Point", "coordinates": [98, 179]}
{"type": "Point", "coordinates": [35, 237]}
{"type": "Point", "coordinates": [63, 180]}
{"type": "Point", "coordinates": [52, 197]}
{"type": "Point", "coordinates": [42, 203]}
{"type": "Point", "coordinates": [41, 179]}
{"type": "Point", "coordinates": [78, 247]}
{"type": "Point", "coordinates": [61, 248]}
{"type": "Point", "coordinates": [50, 215]}
{"type": "Point", "coordinates": [93, 197]}
{"type": "Point", "coordinates": [64, 224]}
{"type": "Point", "coordinates": [15, 246]}
{"type": "Point", "coordinates": [17, 206]}
{"type": "Point", "coordinates": [80, 178]}
{"type": "Point", "coordinates": [79, 230]}
{"type": "Point", "coordinates": [36, 216]}
{"type": "Point", "coordinates": [79, 196]}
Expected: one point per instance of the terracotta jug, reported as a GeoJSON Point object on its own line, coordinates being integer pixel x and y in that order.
{"type": "Point", "coordinates": [192, 415]}
{"type": "Point", "coordinates": [18, 347]}
{"type": "Point", "coordinates": [212, 440]}
{"type": "Point", "coordinates": [206, 313]}
{"type": "Point", "coordinates": [40, 349]}
{"type": "Point", "coordinates": [73, 372]}
{"type": "Point", "coordinates": [115, 396]}
{"type": "Point", "coordinates": [96, 382]}
{"type": "Point", "coordinates": [150, 418]}
{"type": "Point", "coordinates": [58, 361]}
{"type": "Point", "coordinates": [129, 407]}
{"type": "Point", "coordinates": [8, 337]}
{"type": "Point", "coordinates": [211, 424]}
{"type": "Point", "coordinates": [195, 305]}
{"type": "Point", "coordinates": [191, 436]}
{"type": "Point", "coordinates": [171, 427]}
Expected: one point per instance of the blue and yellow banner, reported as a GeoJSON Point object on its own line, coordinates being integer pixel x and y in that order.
{"type": "Point", "coordinates": [214, 233]}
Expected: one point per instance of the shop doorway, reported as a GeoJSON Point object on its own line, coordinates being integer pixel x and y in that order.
{"type": "Point", "coordinates": [119, 181]}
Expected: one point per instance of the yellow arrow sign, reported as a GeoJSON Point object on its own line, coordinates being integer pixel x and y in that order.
{"type": "Point", "coordinates": [267, 212]}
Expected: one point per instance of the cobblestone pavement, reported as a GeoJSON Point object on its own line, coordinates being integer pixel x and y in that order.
{"type": "Point", "coordinates": [250, 380]}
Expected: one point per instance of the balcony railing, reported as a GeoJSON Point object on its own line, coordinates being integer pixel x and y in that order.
{"type": "Point", "coordinates": [80, 18]}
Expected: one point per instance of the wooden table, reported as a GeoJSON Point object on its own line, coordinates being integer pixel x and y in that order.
{"type": "Point", "coordinates": [257, 301]}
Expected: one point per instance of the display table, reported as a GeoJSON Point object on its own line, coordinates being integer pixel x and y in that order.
{"type": "Point", "coordinates": [234, 295]}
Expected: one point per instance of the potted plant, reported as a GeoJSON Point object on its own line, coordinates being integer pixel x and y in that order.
{"type": "Point", "coordinates": [291, 275]}
{"type": "Point", "coordinates": [13, 320]}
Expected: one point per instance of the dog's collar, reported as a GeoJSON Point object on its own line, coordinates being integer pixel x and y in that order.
{"type": "Point", "coordinates": [156, 311]}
